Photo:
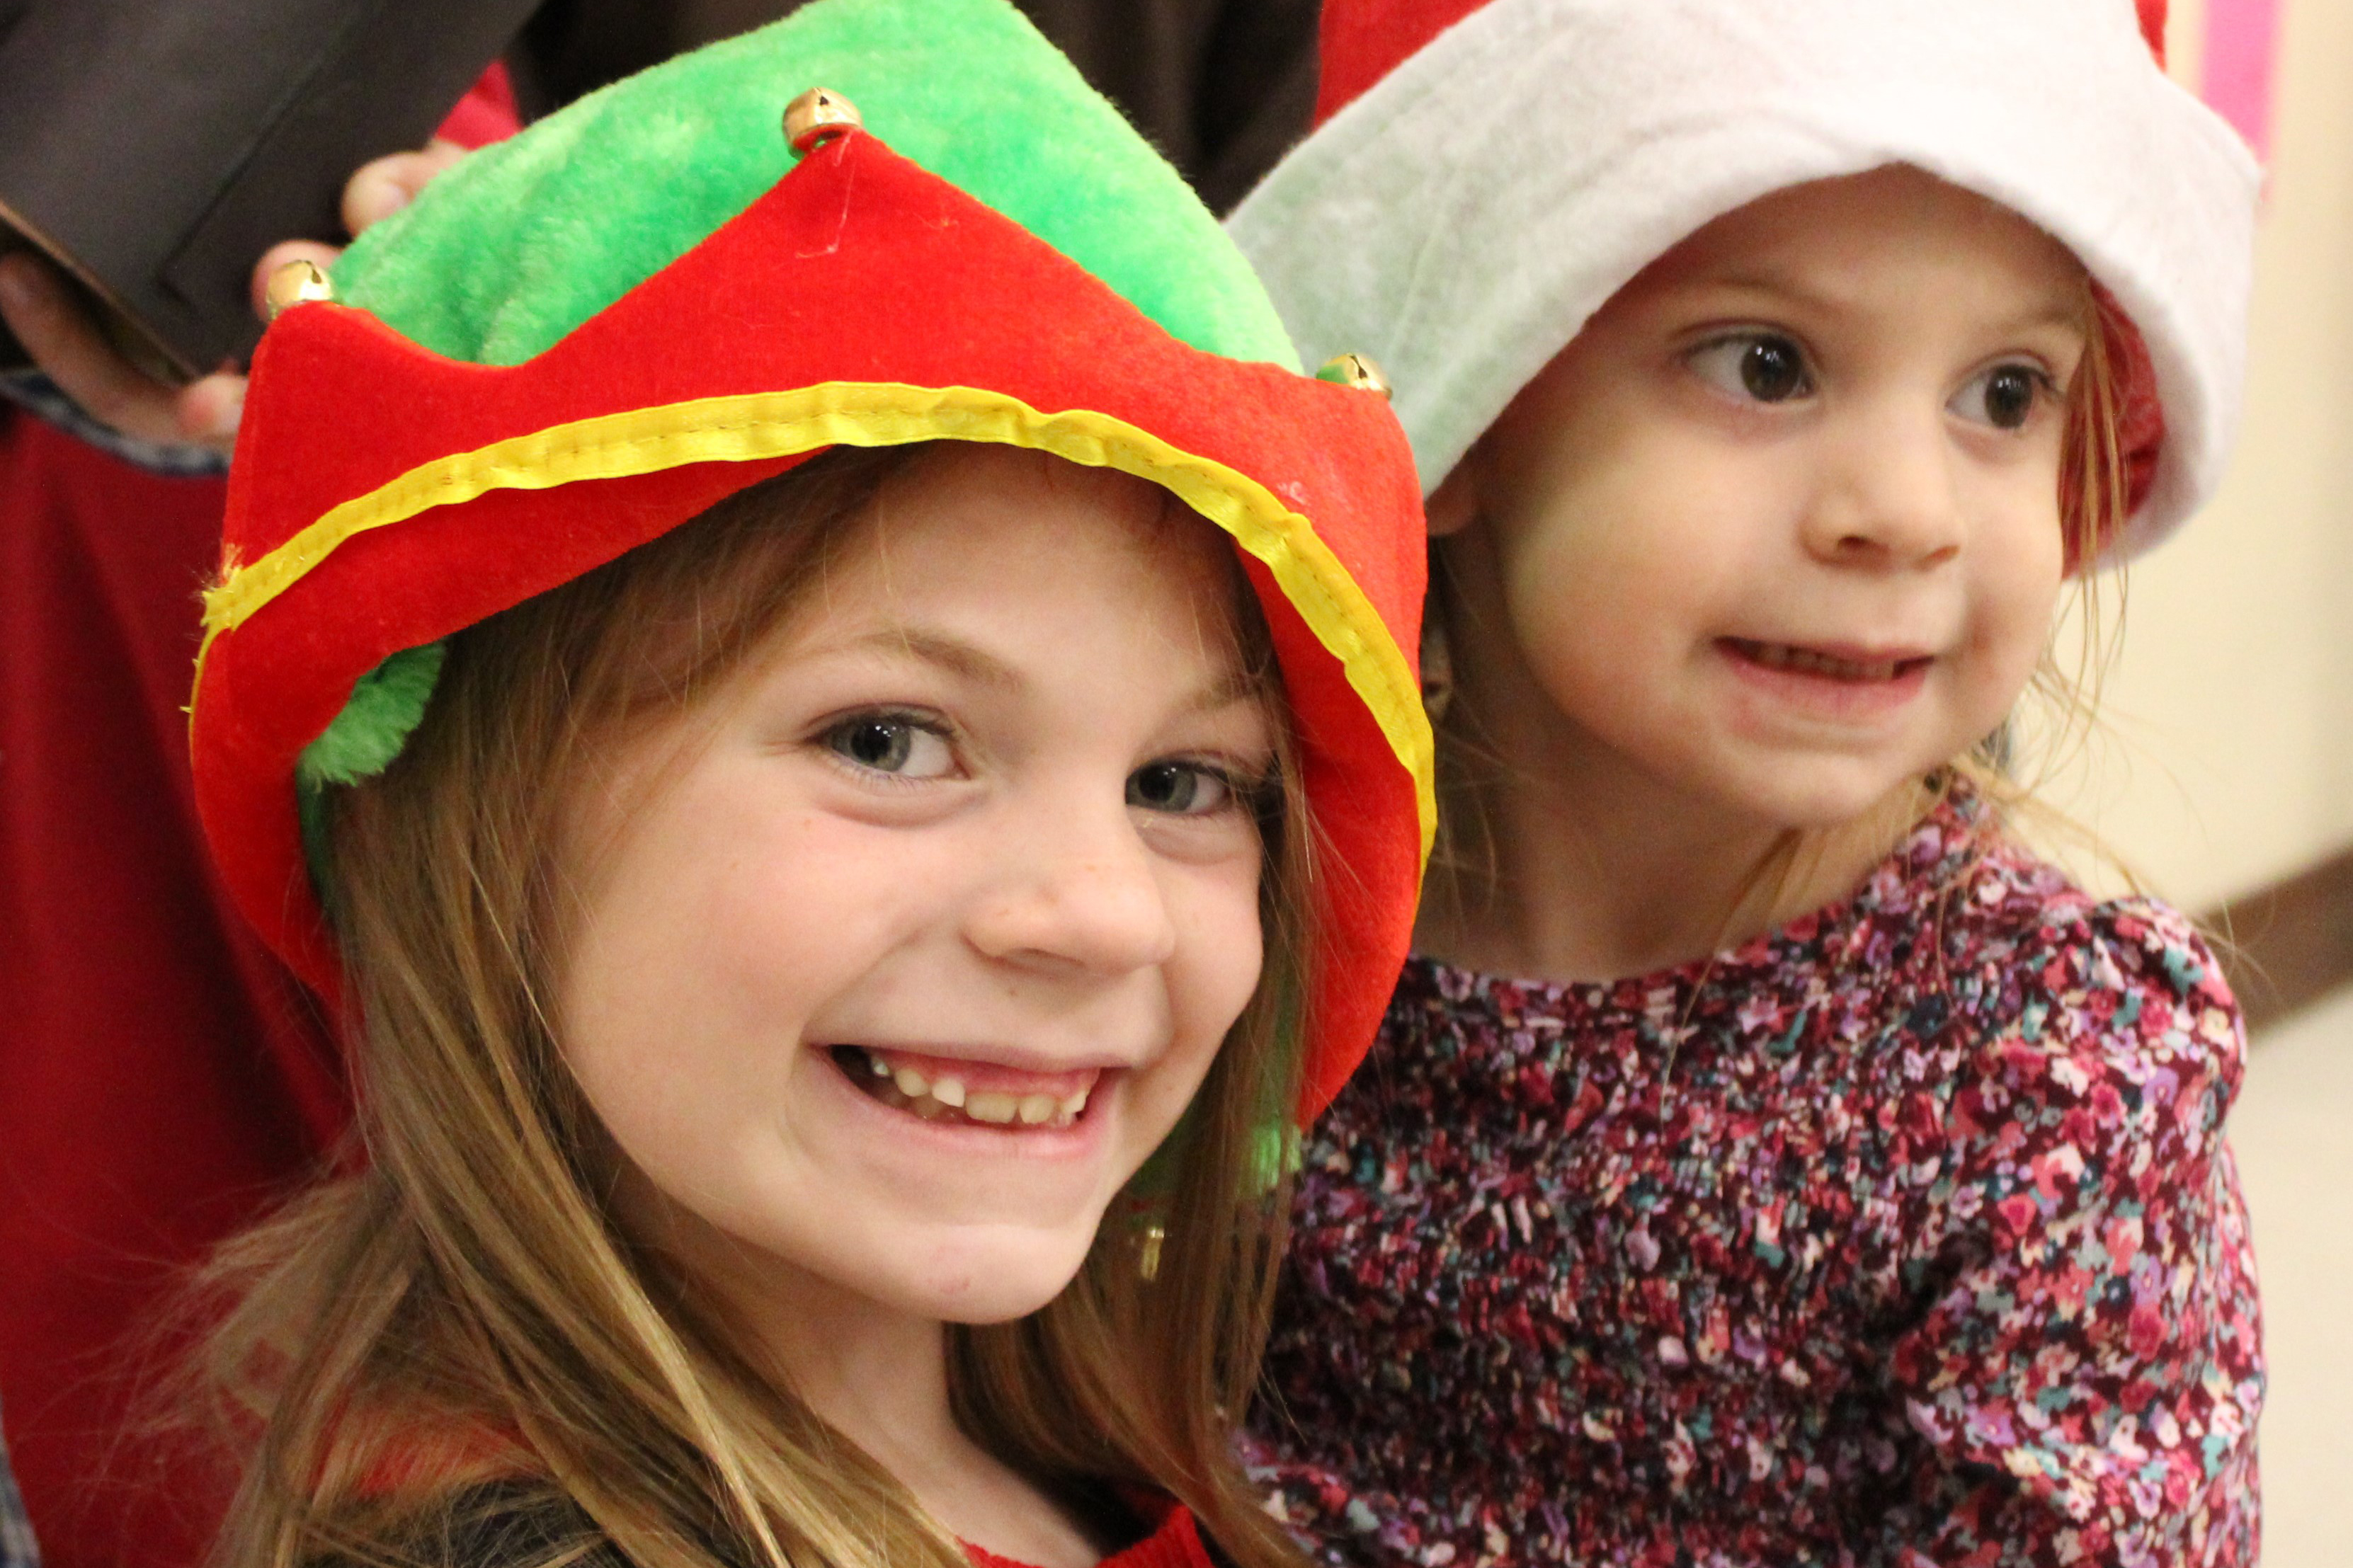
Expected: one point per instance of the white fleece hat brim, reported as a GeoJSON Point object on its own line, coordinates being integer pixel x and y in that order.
{"type": "Point", "coordinates": [1462, 219]}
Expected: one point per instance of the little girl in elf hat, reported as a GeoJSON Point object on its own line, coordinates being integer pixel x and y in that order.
{"type": "Point", "coordinates": [1768, 1159]}
{"type": "Point", "coordinates": [825, 718]}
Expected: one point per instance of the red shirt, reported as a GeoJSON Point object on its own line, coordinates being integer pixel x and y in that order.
{"type": "Point", "coordinates": [1175, 1542]}
{"type": "Point", "coordinates": [147, 1108]}
{"type": "Point", "coordinates": [163, 1080]}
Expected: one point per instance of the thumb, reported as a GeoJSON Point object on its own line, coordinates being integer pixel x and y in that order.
{"type": "Point", "coordinates": [385, 186]}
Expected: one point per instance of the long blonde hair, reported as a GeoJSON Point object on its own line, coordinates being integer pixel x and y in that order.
{"type": "Point", "coordinates": [466, 1312]}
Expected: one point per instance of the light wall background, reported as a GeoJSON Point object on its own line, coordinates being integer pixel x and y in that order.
{"type": "Point", "coordinates": [2225, 760]}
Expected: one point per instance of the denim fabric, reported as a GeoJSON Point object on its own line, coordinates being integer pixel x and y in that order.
{"type": "Point", "coordinates": [16, 1548]}
{"type": "Point", "coordinates": [38, 395]}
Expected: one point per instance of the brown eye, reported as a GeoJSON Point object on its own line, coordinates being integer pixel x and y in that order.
{"type": "Point", "coordinates": [1763, 367]}
{"type": "Point", "coordinates": [2003, 396]}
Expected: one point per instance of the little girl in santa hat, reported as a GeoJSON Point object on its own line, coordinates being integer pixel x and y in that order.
{"type": "Point", "coordinates": [1769, 1159]}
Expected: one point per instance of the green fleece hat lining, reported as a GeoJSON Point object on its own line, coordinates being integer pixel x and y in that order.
{"type": "Point", "coordinates": [510, 251]}
{"type": "Point", "coordinates": [507, 253]}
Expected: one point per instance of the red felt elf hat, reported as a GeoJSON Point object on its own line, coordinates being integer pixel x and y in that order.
{"type": "Point", "coordinates": [588, 335]}
{"type": "Point", "coordinates": [1485, 173]}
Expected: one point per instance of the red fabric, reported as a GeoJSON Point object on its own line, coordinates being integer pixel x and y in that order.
{"type": "Point", "coordinates": [1363, 40]}
{"type": "Point", "coordinates": [1175, 1542]}
{"type": "Point", "coordinates": [145, 1111]}
{"type": "Point", "coordinates": [486, 114]}
{"type": "Point", "coordinates": [161, 1077]}
{"type": "Point", "coordinates": [918, 283]}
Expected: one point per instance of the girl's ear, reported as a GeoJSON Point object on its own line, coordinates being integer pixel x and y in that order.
{"type": "Point", "coordinates": [1455, 501]}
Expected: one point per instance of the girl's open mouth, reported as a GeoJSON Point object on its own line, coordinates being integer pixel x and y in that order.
{"type": "Point", "coordinates": [1853, 668]}
{"type": "Point", "coordinates": [969, 1093]}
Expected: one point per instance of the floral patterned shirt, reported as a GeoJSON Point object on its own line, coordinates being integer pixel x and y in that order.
{"type": "Point", "coordinates": [1904, 1236]}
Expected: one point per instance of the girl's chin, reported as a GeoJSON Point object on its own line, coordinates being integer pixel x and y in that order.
{"type": "Point", "coordinates": [1822, 804]}
{"type": "Point", "coordinates": [1776, 789]}
{"type": "Point", "coordinates": [975, 1283]}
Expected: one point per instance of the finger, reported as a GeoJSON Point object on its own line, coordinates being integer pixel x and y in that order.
{"type": "Point", "coordinates": [72, 353]}
{"type": "Point", "coordinates": [207, 411]}
{"type": "Point", "coordinates": [319, 256]}
{"type": "Point", "coordinates": [382, 188]}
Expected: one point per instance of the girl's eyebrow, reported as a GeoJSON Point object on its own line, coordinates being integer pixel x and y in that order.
{"type": "Point", "coordinates": [2061, 309]}
{"type": "Point", "coordinates": [962, 660]}
{"type": "Point", "coordinates": [1236, 686]}
{"type": "Point", "coordinates": [954, 654]}
{"type": "Point", "coordinates": [1757, 283]}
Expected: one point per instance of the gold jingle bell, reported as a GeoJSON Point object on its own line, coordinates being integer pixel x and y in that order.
{"type": "Point", "coordinates": [816, 117]}
{"type": "Point", "coordinates": [295, 283]}
{"type": "Point", "coordinates": [1357, 371]}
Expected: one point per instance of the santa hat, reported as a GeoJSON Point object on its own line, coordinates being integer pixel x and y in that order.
{"type": "Point", "coordinates": [587, 335]}
{"type": "Point", "coordinates": [1485, 173]}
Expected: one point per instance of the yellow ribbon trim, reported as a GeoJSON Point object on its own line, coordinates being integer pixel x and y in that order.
{"type": "Point", "coordinates": [751, 427]}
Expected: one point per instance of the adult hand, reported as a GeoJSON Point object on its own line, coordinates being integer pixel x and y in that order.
{"type": "Point", "coordinates": [71, 350]}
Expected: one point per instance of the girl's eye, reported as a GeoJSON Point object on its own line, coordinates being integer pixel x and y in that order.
{"type": "Point", "coordinates": [894, 743]}
{"type": "Point", "coordinates": [2003, 396]}
{"type": "Point", "coordinates": [1763, 366]}
{"type": "Point", "coordinates": [1180, 789]}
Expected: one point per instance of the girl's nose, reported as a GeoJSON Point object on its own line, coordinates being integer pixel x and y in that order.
{"type": "Point", "coordinates": [1886, 499]}
{"type": "Point", "coordinates": [1082, 894]}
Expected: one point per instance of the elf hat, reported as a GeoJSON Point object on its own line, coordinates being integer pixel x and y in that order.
{"type": "Point", "coordinates": [585, 336]}
{"type": "Point", "coordinates": [1485, 173]}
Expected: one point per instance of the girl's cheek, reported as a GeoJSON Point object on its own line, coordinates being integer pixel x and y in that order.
{"type": "Point", "coordinates": [2017, 599]}
{"type": "Point", "coordinates": [1225, 940]}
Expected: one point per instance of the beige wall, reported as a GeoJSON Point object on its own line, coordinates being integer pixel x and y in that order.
{"type": "Point", "coordinates": [2296, 1166]}
{"type": "Point", "coordinates": [2227, 759]}
{"type": "Point", "coordinates": [2229, 755]}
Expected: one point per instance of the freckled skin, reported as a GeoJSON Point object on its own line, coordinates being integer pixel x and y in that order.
{"type": "Point", "coordinates": [992, 894]}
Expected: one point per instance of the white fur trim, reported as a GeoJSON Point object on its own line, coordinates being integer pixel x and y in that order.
{"type": "Point", "coordinates": [1462, 220]}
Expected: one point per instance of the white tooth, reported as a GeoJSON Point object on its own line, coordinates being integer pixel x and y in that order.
{"type": "Point", "coordinates": [991, 1107]}
{"type": "Point", "coordinates": [877, 1065]}
{"type": "Point", "coordinates": [1772, 655]}
{"type": "Point", "coordinates": [949, 1092]}
{"type": "Point", "coordinates": [1037, 1108]}
{"type": "Point", "coordinates": [911, 1084]}
{"type": "Point", "coordinates": [1884, 670]}
{"type": "Point", "coordinates": [1071, 1107]}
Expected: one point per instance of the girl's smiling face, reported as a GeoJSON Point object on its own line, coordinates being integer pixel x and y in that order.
{"type": "Point", "coordinates": [887, 967]}
{"type": "Point", "coordinates": [1779, 530]}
